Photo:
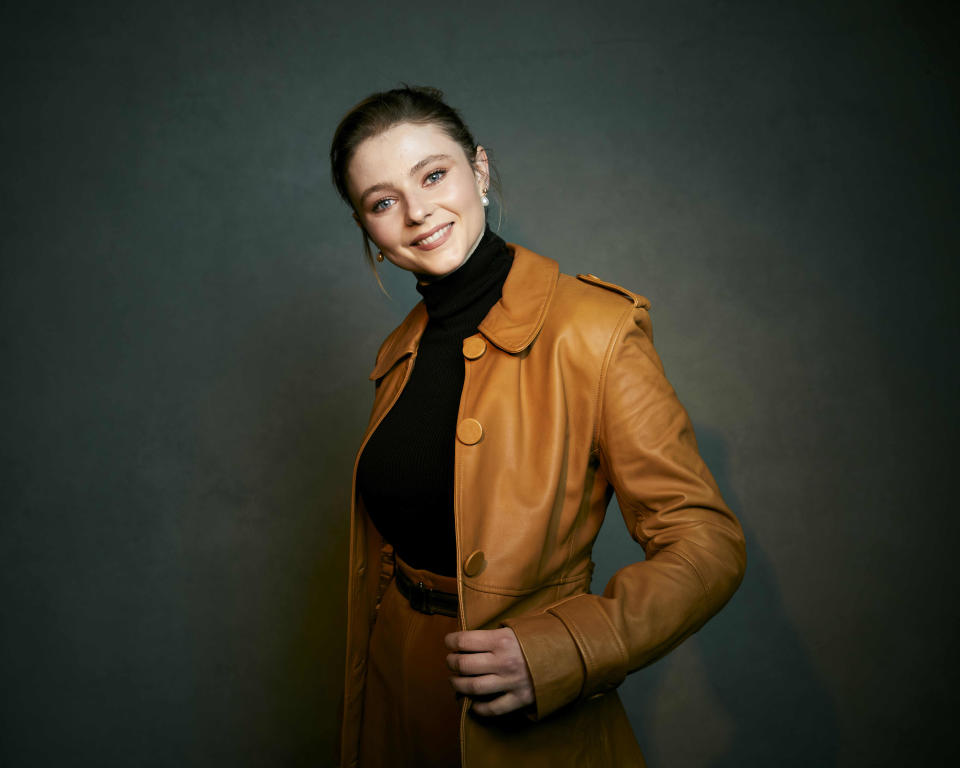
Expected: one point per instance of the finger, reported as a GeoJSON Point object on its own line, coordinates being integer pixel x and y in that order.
{"type": "Point", "coordinates": [479, 663]}
{"type": "Point", "coordinates": [478, 685]}
{"type": "Point", "coordinates": [499, 706]}
{"type": "Point", "coordinates": [473, 640]}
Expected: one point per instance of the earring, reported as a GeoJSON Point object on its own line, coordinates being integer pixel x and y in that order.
{"type": "Point", "coordinates": [379, 255]}
{"type": "Point", "coordinates": [484, 200]}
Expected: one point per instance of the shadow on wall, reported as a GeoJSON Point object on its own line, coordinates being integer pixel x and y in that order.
{"type": "Point", "coordinates": [741, 693]}
{"type": "Point", "coordinates": [781, 712]}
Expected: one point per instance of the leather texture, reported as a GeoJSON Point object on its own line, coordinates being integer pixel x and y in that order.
{"type": "Point", "coordinates": [564, 403]}
{"type": "Point", "coordinates": [411, 713]}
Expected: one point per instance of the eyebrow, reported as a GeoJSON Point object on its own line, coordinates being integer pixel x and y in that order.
{"type": "Point", "coordinates": [383, 185]}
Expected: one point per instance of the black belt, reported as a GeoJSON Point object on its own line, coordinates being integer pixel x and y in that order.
{"type": "Point", "coordinates": [424, 599]}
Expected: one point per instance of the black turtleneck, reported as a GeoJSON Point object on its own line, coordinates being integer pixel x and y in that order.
{"type": "Point", "coordinates": [406, 471]}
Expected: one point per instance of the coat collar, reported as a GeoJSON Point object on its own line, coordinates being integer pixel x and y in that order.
{"type": "Point", "coordinates": [512, 323]}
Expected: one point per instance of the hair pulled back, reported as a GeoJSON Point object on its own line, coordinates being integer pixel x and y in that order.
{"type": "Point", "coordinates": [380, 112]}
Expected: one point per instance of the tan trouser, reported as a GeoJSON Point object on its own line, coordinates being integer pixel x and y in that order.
{"type": "Point", "coordinates": [411, 717]}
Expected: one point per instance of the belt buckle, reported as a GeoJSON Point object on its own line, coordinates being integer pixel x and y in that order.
{"type": "Point", "coordinates": [420, 598]}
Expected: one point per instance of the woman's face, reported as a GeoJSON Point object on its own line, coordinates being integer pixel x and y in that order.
{"type": "Point", "coordinates": [418, 197]}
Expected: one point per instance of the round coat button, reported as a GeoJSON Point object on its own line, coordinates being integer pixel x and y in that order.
{"type": "Point", "coordinates": [469, 431]}
{"type": "Point", "coordinates": [473, 347]}
{"type": "Point", "coordinates": [474, 564]}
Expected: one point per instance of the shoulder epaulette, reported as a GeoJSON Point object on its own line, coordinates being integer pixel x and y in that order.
{"type": "Point", "coordinates": [637, 299]}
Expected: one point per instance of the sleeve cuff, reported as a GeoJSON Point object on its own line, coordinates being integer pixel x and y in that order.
{"type": "Point", "coordinates": [553, 659]}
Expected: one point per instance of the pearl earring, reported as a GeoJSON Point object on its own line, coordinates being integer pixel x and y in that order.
{"type": "Point", "coordinates": [379, 255]}
{"type": "Point", "coordinates": [484, 200]}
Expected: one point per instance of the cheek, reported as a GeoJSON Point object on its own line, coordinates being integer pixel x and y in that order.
{"type": "Point", "coordinates": [378, 229]}
{"type": "Point", "coordinates": [468, 201]}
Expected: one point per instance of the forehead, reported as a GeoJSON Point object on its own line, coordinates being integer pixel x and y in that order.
{"type": "Point", "coordinates": [389, 156]}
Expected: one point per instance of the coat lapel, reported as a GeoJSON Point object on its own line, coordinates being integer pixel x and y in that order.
{"type": "Point", "coordinates": [512, 323]}
{"type": "Point", "coordinates": [402, 342]}
{"type": "Point", "coordinates": [515, 320]}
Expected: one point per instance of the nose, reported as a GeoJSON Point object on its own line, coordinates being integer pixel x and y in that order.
{"type": "Point", "coordinates": [417, 209]}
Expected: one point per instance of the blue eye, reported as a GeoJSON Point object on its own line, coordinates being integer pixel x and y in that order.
{"type": "Point", "coordinates": [381, 205]}
{"type": "Point", "coordinates": [435, 176]}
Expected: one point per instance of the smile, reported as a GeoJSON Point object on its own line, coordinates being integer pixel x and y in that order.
{"type": "Point", "coordinates": [435, 238]}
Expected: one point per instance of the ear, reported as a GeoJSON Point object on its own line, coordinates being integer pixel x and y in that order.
{"type": "Point", "coordinates": [356, 220]}
{"type": "Point", "coordinates": [481, 167]}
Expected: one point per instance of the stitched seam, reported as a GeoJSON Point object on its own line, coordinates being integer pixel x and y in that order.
{"type": "Point", "coordinates": [594, 280]}
{"type": "Point", "coordinates": [537, 684]}
{"type": "Point", "coordinates": [593, 670]}
{"type": "Point", "coordinates": [624, 656]}
{"type": "Point", "coordinates": [566, 472]}
{"type": "Point", "coordinates": [541, 318]}
{"type": "Point", "coordinates": [607, 355]}
{"type": "Point", "coordinates": [458, 501]}
{"type": "Point", "coordinates": [585, 652]}
{"type": "Point", "coordinates": [714, 525]}
{"type": "Point", "coordinates": [541, 315]}
{"type": "Point", "coordinates": [352, 691]}
{"type": "Point", "coordinates": [388, 354]}
{"type": "Point", "coordinates": [688, 561]}
{"type": "Point", "coordinates": [393, 365]}
{"type": "Point", "coordinates": [492, 589]}
{"type": "Point", "coordinates": [646, 511]}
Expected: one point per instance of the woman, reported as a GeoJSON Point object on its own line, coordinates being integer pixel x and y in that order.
{"type": "Point", "coordinates": [509, 405]}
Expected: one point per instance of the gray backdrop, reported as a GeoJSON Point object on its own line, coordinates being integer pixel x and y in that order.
{"type": "Point", "coordinates": [188, 326]}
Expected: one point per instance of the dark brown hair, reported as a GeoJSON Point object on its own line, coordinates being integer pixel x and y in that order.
{"type": "Point", "coordinates": [380, 112]}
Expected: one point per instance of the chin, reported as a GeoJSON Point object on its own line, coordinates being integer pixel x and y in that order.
{"type": "Point", "coordinates": [443, 266]}
{"type": "Point", "coordinates": [451, 268]}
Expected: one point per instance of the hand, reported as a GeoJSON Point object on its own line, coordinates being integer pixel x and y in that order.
{"type": "Point", "coordinates": [489, 661]}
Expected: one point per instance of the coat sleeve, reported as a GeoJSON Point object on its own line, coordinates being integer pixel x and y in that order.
{"type": "Point", "coordinates": [585, 645]}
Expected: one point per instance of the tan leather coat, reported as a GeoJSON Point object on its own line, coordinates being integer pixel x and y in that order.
{"type": "Point", "coordinates": [564, 401]}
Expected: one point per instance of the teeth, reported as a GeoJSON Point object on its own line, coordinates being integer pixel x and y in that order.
{"type": "Point", "coordinates": [435, 236]}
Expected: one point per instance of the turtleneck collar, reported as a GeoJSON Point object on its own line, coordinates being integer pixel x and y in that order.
{"type": "Point", "coordinates": [474, 285]}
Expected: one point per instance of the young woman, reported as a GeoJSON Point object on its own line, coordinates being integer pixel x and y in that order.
{"type": "Point", "coordinates": [509, 406]}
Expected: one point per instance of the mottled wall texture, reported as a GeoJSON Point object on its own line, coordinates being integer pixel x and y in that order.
{"type": "Point", "coordinates": [187, 328]}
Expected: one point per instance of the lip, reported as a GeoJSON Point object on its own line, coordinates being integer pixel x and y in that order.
{"type": "Point", "coordinates": [436, 244]}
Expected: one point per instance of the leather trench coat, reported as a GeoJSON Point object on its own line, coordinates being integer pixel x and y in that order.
{"type": "Point", "coordinates": [564, 402]}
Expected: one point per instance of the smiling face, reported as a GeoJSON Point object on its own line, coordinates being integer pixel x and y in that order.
{"type": "Point", "coordinates": [418, 197]}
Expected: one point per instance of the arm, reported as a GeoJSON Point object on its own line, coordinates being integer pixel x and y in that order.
{"type": "Point", "coordinates": [695, 557]}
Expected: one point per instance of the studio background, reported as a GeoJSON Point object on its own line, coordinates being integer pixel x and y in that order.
{"type": "Point", "coordinates": [188, 326]}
